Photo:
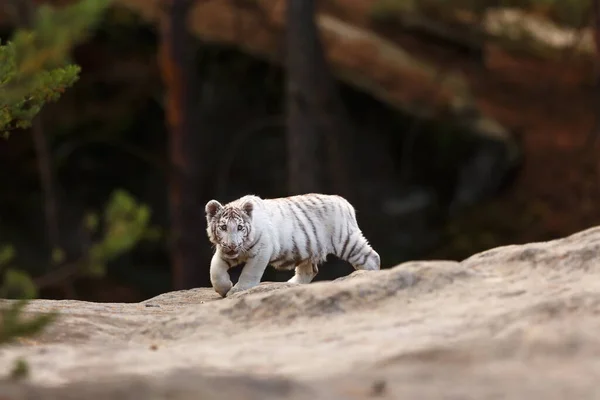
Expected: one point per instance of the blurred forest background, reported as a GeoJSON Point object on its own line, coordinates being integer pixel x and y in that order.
{"type": "Point", "coordinates": [452, 126]}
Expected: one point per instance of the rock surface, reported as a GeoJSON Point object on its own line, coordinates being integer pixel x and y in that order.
{"type": "Point", "coordinates": [515, 322]}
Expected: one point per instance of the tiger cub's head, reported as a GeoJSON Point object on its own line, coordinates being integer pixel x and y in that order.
{"type": "Point", "coordinates": [229, 226]}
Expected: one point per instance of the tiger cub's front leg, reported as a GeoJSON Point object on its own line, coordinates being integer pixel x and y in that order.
{"type": "Point", "coordinates": [219, 274]}
{"type": "Point", "coordinates": [252, 273]}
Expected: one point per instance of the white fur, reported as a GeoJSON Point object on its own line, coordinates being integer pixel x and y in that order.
{"type": "Point", "coordinates": [293, 232]}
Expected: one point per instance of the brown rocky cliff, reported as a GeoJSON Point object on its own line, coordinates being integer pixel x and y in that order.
{"type": "Point", "coordinates": [529, 77]}
{"type": "Point", "coordinates": [358, 56]}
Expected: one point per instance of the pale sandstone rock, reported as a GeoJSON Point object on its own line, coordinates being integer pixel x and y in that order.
{"type": "Point", "coordinates": [516, 322]}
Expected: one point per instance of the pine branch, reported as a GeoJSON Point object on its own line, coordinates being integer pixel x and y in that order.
{"type": "Point", "coordinates": [14, 326]}
{"type": "Point", "coordinates": [34, 67]}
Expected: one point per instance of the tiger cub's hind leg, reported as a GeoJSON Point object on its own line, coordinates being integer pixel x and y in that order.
{"type": "Point", "coordinates": [304, 273]}
{"type": "Point", "coordinates": [357, 251]}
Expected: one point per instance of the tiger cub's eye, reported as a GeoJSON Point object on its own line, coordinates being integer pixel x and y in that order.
{"type": "Point", "coordinates": [223, 227]}
{"type": "Point", "coordinates": [240, 227]}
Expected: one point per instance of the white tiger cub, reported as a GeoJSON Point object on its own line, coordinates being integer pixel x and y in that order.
{"type": "Point", "coordinates": [289, 232]}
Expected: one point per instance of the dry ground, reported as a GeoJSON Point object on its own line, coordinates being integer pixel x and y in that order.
{"type": "Point", "coordinates": [513, 322]}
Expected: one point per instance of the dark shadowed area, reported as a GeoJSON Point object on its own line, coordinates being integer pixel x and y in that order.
{"type": "Point", "coordinates": [446, 144]}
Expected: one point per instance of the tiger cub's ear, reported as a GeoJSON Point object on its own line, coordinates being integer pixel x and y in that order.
{"type": "Point", "coordinates": [248, 207]}
{"type": "Point", "coordinates": [212, 208]}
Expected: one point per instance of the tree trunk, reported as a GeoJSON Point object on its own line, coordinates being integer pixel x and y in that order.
{"type": "Point", "coordinates": [25, 13]}
{"type": "Point", "coordinates": [189, 255]}
{"type": "Point", "coordinates": [316, 114]}
{"type": "Point", "coordinates": [594, 133]}
{"type": "Point", "coordinates": [302, 132]}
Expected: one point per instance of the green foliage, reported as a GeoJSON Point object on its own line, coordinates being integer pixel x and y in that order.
{"type": "Point", "coordinates": [34, 66]}
{"type": "Point", "coordinates": [58, 256]}
{"type": "Point", "coordinates": [126, 222]}
{"type": "Point", "coordinates": [14, 325]}
{"type": "Point", "coordinates": [20, 369]}
{"type": "Point", "coordinates": [7, 254]}
{"type": "Point", "coordinates": [18, 284]}
{"type": "Point", "coordinates": [565, 12]}
{"type": "Point", "coordinates": [389, 9]}
{"type": "Point", "coordinates": [572, 13]}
